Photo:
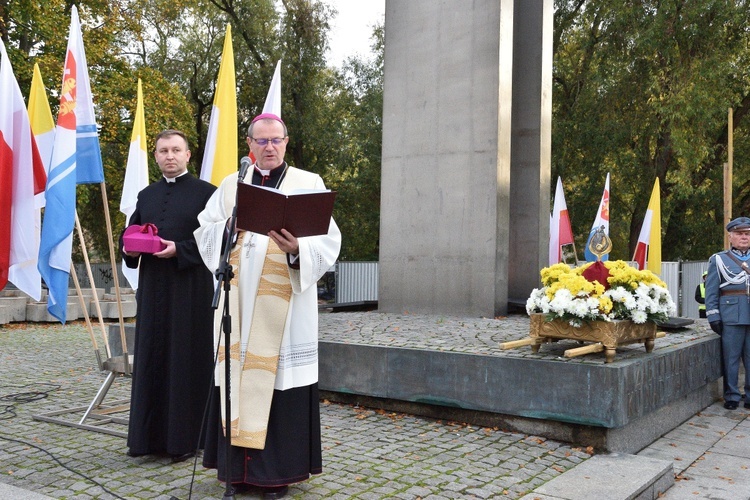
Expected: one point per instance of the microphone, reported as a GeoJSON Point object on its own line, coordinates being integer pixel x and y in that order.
{"type": "Point", "coordinates": [244, 166]}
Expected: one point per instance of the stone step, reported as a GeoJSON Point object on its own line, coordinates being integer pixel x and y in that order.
{"type": "Point", "coordinates": [109, 309]}
{"type": "Point", "coordinates": [36, 312]}
{"type": "Point", "coordinates": [614, 476]}
{"type": "Point", "coordinates": [15, 307]}
{"type": "Point", "coordinates": [5, 315]}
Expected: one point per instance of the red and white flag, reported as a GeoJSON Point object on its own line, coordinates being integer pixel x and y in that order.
{"type": "Point", "coordinates": [560, 230]}
{"type": "Point", "coordinates": [21, 177]}
{"type": "Point", "coordinates": [648, 249]}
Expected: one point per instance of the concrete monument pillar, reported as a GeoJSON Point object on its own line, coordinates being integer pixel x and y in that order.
{"type": "Point", "coordinates": [531, 146]}
{"type": "Point", "coordinates": [444, 233]}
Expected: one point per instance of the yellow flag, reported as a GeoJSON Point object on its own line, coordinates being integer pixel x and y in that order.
{"type": "Point", "coordinates": [40, 116]}
{"type": "Point", "coordinates": [42, 126]}
{"type": "Point", "coordinates": [654, 241]}
{"type": "Point", "coordinates": [648, 250]}
{"type": "Point", "coordinates": [220, 158]}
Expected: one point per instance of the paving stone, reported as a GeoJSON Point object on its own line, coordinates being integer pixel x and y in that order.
{"type": "Point", "coordinates": [366, 452]}
{"type": "Point", "coordinates": [716, 476]}
{"type": "Point", "coordinates": [681, 453]}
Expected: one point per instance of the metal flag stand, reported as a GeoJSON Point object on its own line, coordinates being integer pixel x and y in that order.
{"type": "Point", "coordinates": [118, 344]}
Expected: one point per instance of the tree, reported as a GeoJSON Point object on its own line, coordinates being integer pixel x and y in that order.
{"type": "Point", "coordinates": [355, 170]}
{"type": "Point", "coordinates": [175, 47]}
{"type": "Point", "coordinates": [641, 90]}
{"type": "Point", "coordinates": [38, 33]}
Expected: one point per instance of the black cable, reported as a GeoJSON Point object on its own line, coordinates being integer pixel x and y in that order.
{"type": "Point", "coordinates": [25, 443]}
{"type": "Point", "coordinates": [8, 411]}
{"type": "Point", "coordinates": [27, 397]}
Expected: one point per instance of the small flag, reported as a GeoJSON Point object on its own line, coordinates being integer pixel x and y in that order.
{"type": "Point", "coordinates": [273, 98]}
{"type": "Point", "coordinates": [601, 221]}
{"type": "Point", "coordinates": [561, 244]}
{"type": "Point", "coordinates": [136, 175]}
{"type": "Point", "coordinates": [42, 124]}
{"type": "Point", "coordinates": [220, 157]}
{"type": "Point", "coordinates": [648, 249]}
{"type": "Point", "coordinates": [21, 177]}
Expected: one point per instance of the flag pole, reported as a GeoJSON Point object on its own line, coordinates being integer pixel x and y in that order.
{"type": "Point", "coordinates": [113, 262]}
{"type": "Point", "coordinates": [728, 168]}
{"type": "Point", "coordinates": [85, 311]}
{"type": "Point", "coordinates": [95, 296]}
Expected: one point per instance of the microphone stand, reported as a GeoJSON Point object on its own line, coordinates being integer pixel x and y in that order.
{"type": "Point", "coordinates": [224, 274]}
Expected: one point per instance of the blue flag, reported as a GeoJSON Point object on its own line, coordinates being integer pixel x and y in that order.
{"type": "Point", "coordinates": [76, 158]}
{"type": "Point", "coordinates": [88, 154]}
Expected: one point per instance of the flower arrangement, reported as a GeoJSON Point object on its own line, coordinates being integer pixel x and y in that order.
{"type": "Point", "coordinates": [629, 294]}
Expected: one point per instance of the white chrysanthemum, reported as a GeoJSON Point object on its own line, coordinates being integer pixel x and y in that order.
{"type": "Point", "coordinates": [639, 317]}
{"type": "Point", "coordinates": [644, 300]}
{"type": "Point", "coordinates": [645, 303]}
{"type": "Point", "coordinates": [665, 303]}
{"type": "Point", "coordinates": [532, 304]}
{"type": "Point", "coordinates": [630, 302]}
{"type": "Point", "coordinates": [581, 308]}
{"type": "Point", "coordinates": [562, 302]}
{"type": "Point", "coordinates": [618, 294]}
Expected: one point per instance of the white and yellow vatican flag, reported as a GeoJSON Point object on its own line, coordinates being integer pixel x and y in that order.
{"type": "Point", "coordinates": [136, 175]}
{"type": "Point", "coordinates": [220, 156]}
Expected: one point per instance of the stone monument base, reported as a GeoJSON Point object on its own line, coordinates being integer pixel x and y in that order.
{"type": "Point", "coordinates": [620, 407]}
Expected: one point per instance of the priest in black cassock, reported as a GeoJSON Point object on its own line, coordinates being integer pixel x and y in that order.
{"type": "Point", "coordinates": [173, 361]}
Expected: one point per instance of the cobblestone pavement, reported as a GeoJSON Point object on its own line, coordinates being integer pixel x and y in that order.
{"type": "Point", "coordinates": [367, 453]}
{"type": "Point", "coordinates": [472, 335]}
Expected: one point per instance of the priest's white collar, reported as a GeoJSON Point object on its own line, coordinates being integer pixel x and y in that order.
{"type": "Point", "coordinates": [174, 179]}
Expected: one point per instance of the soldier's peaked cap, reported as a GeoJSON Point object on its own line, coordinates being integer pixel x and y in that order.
{"type": "Point", "coordinates": [739, 224]}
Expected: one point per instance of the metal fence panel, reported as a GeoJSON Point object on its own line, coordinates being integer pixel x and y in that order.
{"type": "Point", "coordinates": [356, 281]}
{"type": "Point", "coordinates": [691, 278]}
{"type": "Point", "coordinates": [670, 274]}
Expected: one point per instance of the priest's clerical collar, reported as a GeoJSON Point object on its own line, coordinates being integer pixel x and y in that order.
{"type": "Point", "coordinates": [271, 177]}
{"type": "Point", "coordinates": [174, 179]}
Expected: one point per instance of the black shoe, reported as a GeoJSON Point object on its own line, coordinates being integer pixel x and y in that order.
{"type": "Point", "coordinates": [275, 492]}
{"type": "Point", "coordinates": [176, 459]}
{"type": "Point", "coordinates": [131, 453]}
{"type": "Point", "coordinates": [241, 488]}
{"type": "Point", "coordinates": [731, 405]}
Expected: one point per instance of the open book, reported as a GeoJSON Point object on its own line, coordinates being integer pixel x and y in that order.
{"type": "Point", "coordinates": [303, 212]}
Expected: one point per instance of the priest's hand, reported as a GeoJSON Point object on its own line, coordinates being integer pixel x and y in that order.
{"type": "Point", "coordinates": [286, 241]}
{"type": "Point", "coordinates": [168, 252]}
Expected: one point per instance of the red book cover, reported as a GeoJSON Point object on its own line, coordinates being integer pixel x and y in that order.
{"type": "Point", "coordinates": [261, 209]}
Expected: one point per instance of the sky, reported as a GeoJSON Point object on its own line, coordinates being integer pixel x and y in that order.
{"type": "Point", "coordinates": [352, 27]}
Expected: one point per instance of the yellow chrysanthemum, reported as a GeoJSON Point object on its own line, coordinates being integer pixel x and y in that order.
{"type": "Point", "coordinates": [618, 302]}
{"type": "Point", "coordinates": [553, 273]}
{"type": "Point", "coordinates": [605, 305]}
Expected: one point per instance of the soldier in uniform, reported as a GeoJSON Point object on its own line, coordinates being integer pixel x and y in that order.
{"type": "Point", "coordinates": [728, 307]}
